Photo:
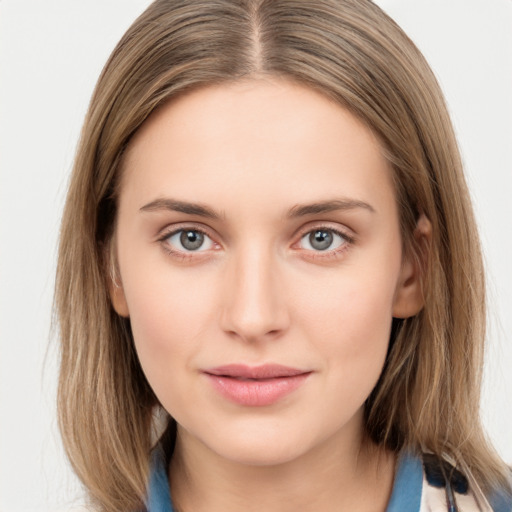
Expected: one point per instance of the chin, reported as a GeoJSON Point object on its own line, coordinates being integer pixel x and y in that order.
{"type": "Point", "coordinates": [260, 446]}
{"type": "Point", "coordinates": [264, 454]}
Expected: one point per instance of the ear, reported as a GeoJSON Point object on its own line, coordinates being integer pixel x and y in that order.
{"type": "Point", "coordinates": [115, 287]}
{"type": "Point", "coordinates": [118, 299]}
{"type": "Point", "coordinates": [409, 299]}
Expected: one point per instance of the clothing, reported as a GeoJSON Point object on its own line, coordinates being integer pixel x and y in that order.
{"type": "Point", "coordinates": [420, 486]}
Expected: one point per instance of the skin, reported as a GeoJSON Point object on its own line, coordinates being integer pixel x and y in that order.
{"type": "Point", "coordinates": [258, 292]}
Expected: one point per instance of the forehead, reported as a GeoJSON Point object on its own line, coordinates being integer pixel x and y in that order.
{"type": "Point", "coordinates": [269, 138]}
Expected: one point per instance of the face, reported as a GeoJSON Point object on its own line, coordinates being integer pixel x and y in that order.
{"type": "Point", "coordinates": [260, 265]}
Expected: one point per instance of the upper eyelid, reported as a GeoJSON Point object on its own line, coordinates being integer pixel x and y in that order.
{"type": "Point", "coordinates": [176, 228]}
{"type": "Point", "coordinates": [345, 232]}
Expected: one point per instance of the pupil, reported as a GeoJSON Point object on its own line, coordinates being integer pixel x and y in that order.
{"type": "Point", "coordinates": [320, 240]}
{"type": "Point", "coordinates": [191, 240]}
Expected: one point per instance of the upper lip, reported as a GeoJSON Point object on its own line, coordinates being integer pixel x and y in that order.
{"type": "Point", "coordinates": [265, 371]}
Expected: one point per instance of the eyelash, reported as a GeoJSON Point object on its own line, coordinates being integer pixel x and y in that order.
{"type": "Point", "coordinates": [181, 255]}
{"type": "Point", "coordinates": [349, 240]}
{"type": "Point", "coordinates": [328, 254]}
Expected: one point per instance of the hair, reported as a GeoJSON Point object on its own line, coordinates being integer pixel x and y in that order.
{"type": "Point", "coordinates": [428, 395]}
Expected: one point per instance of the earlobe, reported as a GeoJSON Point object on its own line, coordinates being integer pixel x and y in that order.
{"type": "Point", "coordinates": [115, 287]}
{"type": "Point", "coordinates": [409, 299]}
{"type": "Point", "coordinates": [118, 299]}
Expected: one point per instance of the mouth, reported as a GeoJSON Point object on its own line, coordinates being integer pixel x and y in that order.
{"type": "Point", "coordinates": [256, 386]}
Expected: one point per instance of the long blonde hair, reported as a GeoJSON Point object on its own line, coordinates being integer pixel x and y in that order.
{"type": "Point", "coordinates": [428, 395]}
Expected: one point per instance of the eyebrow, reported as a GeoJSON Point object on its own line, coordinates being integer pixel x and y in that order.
{"type": "Point", "coordinates": [180, 206]}
{"type": "Point", "coordinates": [295, 212]}
{"type": "Point", "coordinates": [328, 206]}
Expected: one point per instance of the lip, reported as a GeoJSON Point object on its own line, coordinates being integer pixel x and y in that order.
{"type": "Point", "coordinates": [255, 386]}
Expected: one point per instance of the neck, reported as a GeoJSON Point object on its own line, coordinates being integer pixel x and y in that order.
{"type": "Point", "coordinates": [335, 476]}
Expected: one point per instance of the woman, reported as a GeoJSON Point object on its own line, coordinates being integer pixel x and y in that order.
{"type": "Point", "coordinates": [270, 288]}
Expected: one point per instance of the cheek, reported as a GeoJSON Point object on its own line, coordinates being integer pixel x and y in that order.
{"type": "Point", "coordinates": [350, 320]}
{"type": "Point", "coordinates": [170, 314]}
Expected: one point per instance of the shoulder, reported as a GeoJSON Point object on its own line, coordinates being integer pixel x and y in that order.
{"type": "Point", "coordinates": [447, 488]}
{"type": "Point", "coordinates": [427, 483]}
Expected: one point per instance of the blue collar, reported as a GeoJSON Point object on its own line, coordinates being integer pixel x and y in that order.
{"type": "Point", "coordinates": [407, 488]}
{"type": "Point", "coordinates": [406, 494]}
{"type": "Point", "coordinates": [159, 495]}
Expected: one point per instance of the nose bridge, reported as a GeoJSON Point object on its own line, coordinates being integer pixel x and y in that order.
{"type": "Point", "coordinates": [255, 305]}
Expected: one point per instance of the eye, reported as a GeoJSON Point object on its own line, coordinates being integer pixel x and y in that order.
{"type": "Point", "coordinates": [322, 240]}
{"type": "Point", "coordinates": [189, 240]}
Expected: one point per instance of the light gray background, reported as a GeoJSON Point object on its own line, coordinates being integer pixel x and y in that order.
{"type": "Point", "coordinates": [51, 53]}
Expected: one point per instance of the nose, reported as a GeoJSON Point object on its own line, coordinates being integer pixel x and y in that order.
{"type": "Point", "coordinates": [255, 305]}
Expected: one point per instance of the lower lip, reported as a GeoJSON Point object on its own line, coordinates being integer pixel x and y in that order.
{"type": "Point", "coordinates": [256, 393]}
